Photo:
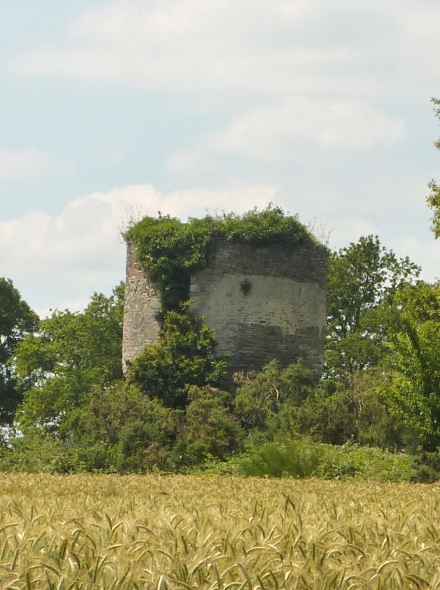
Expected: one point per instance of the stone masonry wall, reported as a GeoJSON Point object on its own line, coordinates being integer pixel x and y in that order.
{"type": "Point", "coordinates": [141, 309]}
{"type": "Point", "coordinates": [263, 304]}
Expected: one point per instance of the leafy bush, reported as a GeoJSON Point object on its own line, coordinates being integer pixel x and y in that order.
{"type": "Point", "coordinates": [210, 431]}
{"type": "Point", "coordinates": [35, 452]}
{"type": "Point", "coordinates": [185, 355]}
{"type": "Point", "coordinates": [97, 456]}
{"type": "Point", "coordinates": [141, 449]}
{"type": "Point", "coordinates": [269, 226]}
{"type": "Point", "coordinates": [351, 461]}
{"type": "Point", "coordinates": [304, 458]}
{"type": "Point", "coordinates": [426, 467]}
{"type": "Point", "coordinates": [294, 458]}
{"type": "Point", "coordinates": [326, 416]}
{"type": "Point", "coordinates": [262, 396]}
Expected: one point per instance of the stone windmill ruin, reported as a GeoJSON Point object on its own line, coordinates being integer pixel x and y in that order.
{"type": "Point", "coordinates": [263, 302]}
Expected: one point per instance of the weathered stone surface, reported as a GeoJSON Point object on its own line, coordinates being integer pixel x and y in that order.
{"type": "Point", "coordinates": [263, 304]}
{"type": "Point", "coordinates": [142, 317]}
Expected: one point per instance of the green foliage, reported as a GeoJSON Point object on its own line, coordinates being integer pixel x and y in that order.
{"type": "Point", "coordinates": [145, 444]}
{"type": "Point", "coordinates": [172, 250]}
{"type": "Point", "coordinates": [426, 467]}
{"type": "Point", "coordinates": [210, 430]}
{"type": "Point", "coordinates": [376, 424]}
{"type": "Point", "coordinates": [185, 355]}
{"type": "Point", "coordinates": [107, 410]}
{"type": "Point", "coordinates": [146, 434]}
{"type": "Point", "coordinates": [245, 286]}
{"type": "Point", "coordinates": [327, 416]}
{"type": "Point", "coordinates": [16, 318]}
{"type": "Point", "coordinates": [362, 281]}
{"type": "Point", "coordinates": [260, 398]}
{"type": "Point", "coordinates": [303, 458]}
{"type": "Point", "coordinates": [289, 403]}
{"type": "Point", "coordinates": [35, 452]}
{"type": "Point", "coordinates": [415, 364]}
{"type": "Point", "coordinates": [263, 228]}
{"type": "Point", "coordinates": [71, 353]}
{"type": "Point", "coordinates": [352, 461]}
{"type": "Point", "coordinates": [91, 457]}
{"type": "Point", "coordinates": [16, 321]}
{"type": "Point", "coordinates": [291, 458]}
{"type": "Point", "coordinates": [137, 432]}
{"type": "Point", "coordinates": [118, 429]}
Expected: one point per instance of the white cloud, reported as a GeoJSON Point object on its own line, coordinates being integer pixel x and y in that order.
{"type": "Point", "coordinates": [290, 125]}
{"type": "Point", "coordinates": [420, 53]}
{"type": "Point", "coordinates": [16, 164]}
{"type": "Point", "coordinates": [340, 125]}
{"type": "Point", "coordinates": [59, 261]}
{"type": "Point", "coordinates": [270, 47]}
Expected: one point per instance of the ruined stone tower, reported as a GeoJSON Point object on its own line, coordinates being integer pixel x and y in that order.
{"type": "Point", "coordinates": [263, 303]}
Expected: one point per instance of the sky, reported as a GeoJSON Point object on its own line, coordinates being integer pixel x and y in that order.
{"type": "Point", "coordinates": [111, 110]}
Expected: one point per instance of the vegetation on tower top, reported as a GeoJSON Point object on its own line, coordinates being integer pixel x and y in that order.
{"type": "Point", "coordinates": [173, 250]}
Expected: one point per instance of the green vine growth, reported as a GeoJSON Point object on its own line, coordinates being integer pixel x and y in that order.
{"type": "Point", "coordinates": [172, 250]}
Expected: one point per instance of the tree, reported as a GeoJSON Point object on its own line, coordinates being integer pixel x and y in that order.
{"type": "Point", "coordinates": [363, 278]}
{"type": "Point", "coordinates": [415, 363]}
{"type": "Point", "coordinates": [185, 355]}
{"type": "Point", "coordinates": [70, 354]}
{"type": "Point", "coordinates": [16, 321]}
{"type": "Point", "coordinates": [261, 397]}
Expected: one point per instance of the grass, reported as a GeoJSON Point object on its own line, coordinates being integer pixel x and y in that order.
{"type": "Point", "coordinates": [225, 533]}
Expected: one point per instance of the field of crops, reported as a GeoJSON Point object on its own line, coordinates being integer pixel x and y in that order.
{"type": "Point", "coordinates": [90, 532]}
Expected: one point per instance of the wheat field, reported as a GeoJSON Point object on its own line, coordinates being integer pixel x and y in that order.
{"type": "Point", "coordinates": [177, 532]}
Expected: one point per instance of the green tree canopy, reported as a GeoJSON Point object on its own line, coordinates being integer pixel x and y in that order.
{"type": "Point", "coordinates": [185, 355]}
{"type": "Point", "coordinates": [70, 353]}
{"type": "Point", "coordinates": [363, 278]}
{"type": "Point", "coordinates": [415, 362]}
{"type": "Point", "coordinates": [16, 321]}
{"type": "Point", "coordinates": [261, 396]}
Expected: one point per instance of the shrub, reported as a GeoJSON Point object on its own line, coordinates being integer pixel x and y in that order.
{"type": "Point", "coordinates": [328, 417]}
{"type": "Point", "coordinates": [351, 461]}
{"type": "Point", "coordinates": [263, 396]}
{"type": "Point", "coordinates": [184, 356]}
{"type": "Point", "coordinates": [294, 458]}
{"type": "Point", "coordinates": [304, 458]}
{"type": "Point", "coordinates": [426, 467]}
{"type": "Point", "coordinates": [210, 431]}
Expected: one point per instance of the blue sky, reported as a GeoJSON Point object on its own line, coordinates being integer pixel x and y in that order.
{"type": "Point", "coordinates": [111, 110]}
